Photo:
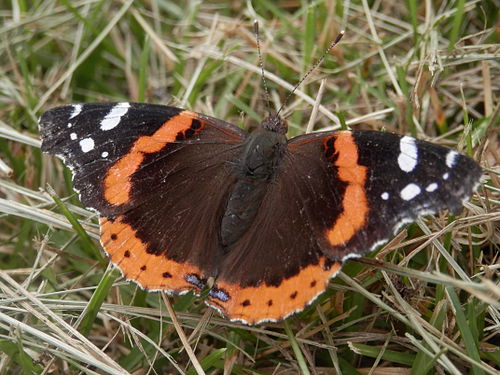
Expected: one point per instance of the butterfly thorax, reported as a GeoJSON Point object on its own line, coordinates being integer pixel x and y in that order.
{"type": "Point", "coordinates": [257, 166]}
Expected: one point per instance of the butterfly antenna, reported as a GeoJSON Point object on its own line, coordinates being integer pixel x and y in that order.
{"type": "Point", "coordinates": [315, 65]}
{"type": "Point", "coordinates": [261, 63]}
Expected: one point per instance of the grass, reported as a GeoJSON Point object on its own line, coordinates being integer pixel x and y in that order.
{"type": "Point", "coordinates": [427, 302]}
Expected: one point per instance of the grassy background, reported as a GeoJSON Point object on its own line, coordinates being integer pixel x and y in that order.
{"type": "Point", "coordinates": [428, 302]}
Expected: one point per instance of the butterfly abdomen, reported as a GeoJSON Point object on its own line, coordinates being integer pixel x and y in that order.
{"type": "Point", "coordinates": [259, 161]}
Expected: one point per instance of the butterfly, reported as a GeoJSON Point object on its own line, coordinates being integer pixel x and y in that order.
{"type": "Point", "coordinates": [184, 197]}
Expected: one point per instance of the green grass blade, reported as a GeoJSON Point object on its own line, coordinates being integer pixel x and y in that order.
{"type": "Point", "coordinates": [88, 245]}
{"type": "Point", "coordinates": [457, 24]}
{"type": "Point", "coordinates": [143, 69]}
{"type": "Point", "coordinates": [210, 361]}
{"type": "Point", "coordinates": [464, 326]}
{"type": "Point", "coordinates": [98, 297]}
{"type": "Point", "coordinates": [309, 37]}
{"type": "Point", "coordinates": [304, 369]}
{"type": "Point", "coordinates": [387, 355]}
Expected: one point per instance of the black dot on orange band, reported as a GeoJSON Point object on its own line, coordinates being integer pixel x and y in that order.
{"type": "Point", "coordinates": [270, 302]}
{"type": "Point", "coordinates": [294, 295]}
{"type": "Point", "coordinates": [313, 283]}
{"type": "Point", "coordinates": [245, 303]}
{"type": "Point", "coordinates": [166, 275]}
{"type": "Point", "coordinates": [189, 133]}
{"type": "Point", "coordinates": [126, 254]}
{"type": "Point", "coordinates": [143, 268]}
{"type": "Point", "coordinates": [114, 236]}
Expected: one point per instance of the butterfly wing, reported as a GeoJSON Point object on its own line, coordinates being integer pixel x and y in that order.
{"type": "Point", "coordinates": [389, 180]}
{"type": "Point", "coordinates": [157, 176]}
{"type": "Point", "coordinates": [335, 196]}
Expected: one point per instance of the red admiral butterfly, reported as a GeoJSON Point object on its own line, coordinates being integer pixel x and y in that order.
{"type": "Point", "coordinates": [183, 197]}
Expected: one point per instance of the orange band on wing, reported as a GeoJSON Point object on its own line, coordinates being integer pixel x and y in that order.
{"type": "Point", "coordinates": [117, 183]}
{"type": "Point", "coordinates": [150, 271]}
{"type": "Point", "coordinates": [272, 303]}
{"type": "Point", "coordinates": [354, 202]}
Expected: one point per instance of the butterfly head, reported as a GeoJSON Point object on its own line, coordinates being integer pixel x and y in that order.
{"type": "Point", "coordinates": [275, 124]}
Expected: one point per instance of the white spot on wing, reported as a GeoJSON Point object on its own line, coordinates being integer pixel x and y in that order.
{"type": "Point", "coordinates": [70, 125]}
{"type": "Point", "coordinates": [385, 195]}
{"type": "Point", "coordinates": [431, 187]}
{"type": "Point", "coordinates": [105, 154]}
{"type": "Point", "coordinates": [73, 136]}
{"type": "Point", "coordinates": [451, 158]}
{"type": "Point", "coordinates": [446, 176]}
{"type": "Point", "coordinates": [350, 256]}
{"type": "Point", "coordinates": [112, 119]}
{"type": "Point", "coordinates": [410, 191]}
{"type": "Point", "coordinates": [87, 144]}
{"type": "Point", "coordinates": [77, 108]}
{"type": "Point", "coordinates": [407, 158]}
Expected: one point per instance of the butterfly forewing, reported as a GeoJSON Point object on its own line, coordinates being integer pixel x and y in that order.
{"type": "Point", "coordinates": [94, 138]}
{"type": "Point", "coordinates": [389, 180]}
